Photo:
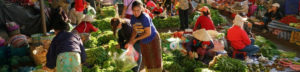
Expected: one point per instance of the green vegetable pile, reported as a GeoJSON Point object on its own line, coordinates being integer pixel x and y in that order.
{"type": "Point", "coordinates": [109, 11]}
{"type": "Point", "coordinates": [164, 37]}
{"type": "Point", "coordinates": [169, 22]}
{"type": "Point", "coordinates": [227, 64]}
{"type": "Point", "coordinates": [267, 48]}
{"type": "Point", "coordinates": [217, 18]}
{"type": "Point", "coordinates": [176, 62]}
{"type": "Point", "coordinates": [96, 56]}
{"type": "Point", "coordinates": [103, 24]}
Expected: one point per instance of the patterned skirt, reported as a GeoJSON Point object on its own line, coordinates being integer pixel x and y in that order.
{"type": "Point", "coordinates": [152, 54]}
{"type": "Point", "coordinates": [68, 62]}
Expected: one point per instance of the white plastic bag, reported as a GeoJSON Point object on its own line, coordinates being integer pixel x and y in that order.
{"type": "Point", "coordinates": [127, 60]}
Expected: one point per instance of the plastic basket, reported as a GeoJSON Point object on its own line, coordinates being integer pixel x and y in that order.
{"type": "Point", "coordinates": [36, 38]}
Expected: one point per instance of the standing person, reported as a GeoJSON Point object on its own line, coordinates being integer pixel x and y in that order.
{"type": "Point", "coordinates": [80, 5]}
{"type": "Point", "coordinates": [239, 39]}
{"type": "Point", "coordinates": [183, 13]}
{"type": "Point", "coordinates": [204, 21]}
{"type": "Point", "coordinates": [272, 14]}
{"type": "Point", "coordinates": [123, 29]}
{"type": "Point", "coordinates": [66, 52]}
{"type": "Point", "coordinates": [118, 6]}
{"type": "Point", "coordinates": [127, 10]}
{"type": "Point", "coordinates": [145, 32]}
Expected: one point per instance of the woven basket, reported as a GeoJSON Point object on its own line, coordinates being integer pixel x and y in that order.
{"type": "Point", "coordinates": [38, 54]}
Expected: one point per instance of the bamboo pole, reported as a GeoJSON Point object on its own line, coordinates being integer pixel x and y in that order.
{"type": "Point", "coordinates": [43, 17]}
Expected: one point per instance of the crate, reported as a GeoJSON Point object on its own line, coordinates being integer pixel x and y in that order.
{"type": "Point", "coordinates": [295, 37]}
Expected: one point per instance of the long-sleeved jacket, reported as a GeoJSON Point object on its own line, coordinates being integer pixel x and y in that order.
{"type": "Point", "coordinates": [64, 42]}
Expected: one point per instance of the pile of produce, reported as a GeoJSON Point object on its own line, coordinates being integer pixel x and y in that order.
{"type": "Point", "coordinates": [169, 22]}
{"type": "Point", "coordinates": [109, 11]}
{"type": "Point", "coordinates": [228, 64]}
{"type": "Point", "coordinates": [175, 61]}
{"type": "Point", "coordinates": [294, 24]}
{"type": "Point", "coordinates": [289, 19]}
{"type": "Point", "coordinates": [103, 24]}
{"type": "Point", "coordinates": [99, 38]}
{"type": "Point", "coordinates": [267, 48]}
{"type": "Point", "coordinates": [217, 18]}
{"type": "Point", "coordinates": [96, 56]}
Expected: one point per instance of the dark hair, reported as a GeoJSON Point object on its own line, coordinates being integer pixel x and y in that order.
{"type": "Point", "coordinates": [57, 21]}
{"type": "Point", "coordinates": [205, 13]}
{"type": "Point", "coordinates": [114, 24]}
{"type": "Point", "coordinates": [136, 3]}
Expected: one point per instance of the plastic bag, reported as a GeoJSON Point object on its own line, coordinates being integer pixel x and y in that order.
{"type": "Point", "coordinates": [127, 60]}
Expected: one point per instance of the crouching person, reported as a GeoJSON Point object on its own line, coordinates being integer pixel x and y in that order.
{"type": "Point", "coordinates": [66, 52]}
{"type": "Point", "coordinates": [123, 30]}
{"type": "Point", "coordinates": [239, 39]}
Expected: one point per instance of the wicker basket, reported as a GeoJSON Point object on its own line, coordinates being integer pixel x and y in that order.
{"type": "Point", "coordinates": [38, 54]}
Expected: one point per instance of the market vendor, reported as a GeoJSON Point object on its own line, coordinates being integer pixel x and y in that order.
{"type": "Point", "coordinates": [145, 32]}
{"type": "Point", "coordinates": [123, 29]}
{"type": "Point", "coordinates": [85, 28]}
{"type": "Point", "coordinates": [239, 39]}
{"type": "Point", "coordinates": [66, 52]}
{"type": "Point", "coordinates": [272, 14]}
{"type": "Point", "coordinates": [204, 21]}
{"type": "Point", "coordinates": [203, 42]}
{"type": "Point", "coordinates": [158, 9]}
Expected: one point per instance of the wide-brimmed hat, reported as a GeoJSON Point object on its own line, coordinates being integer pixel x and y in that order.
{"type": "Point", "coordinates": [239, 21]}
{"type": "Point", "coordinates": [202, 35]}
{"type": "Point", "coordinates": [213, 33]}
{"type": "Point", "coordinates": [89, 18]}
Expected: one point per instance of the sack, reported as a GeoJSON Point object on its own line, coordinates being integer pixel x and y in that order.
{"type": "Point", "coordinates": [18, 41]}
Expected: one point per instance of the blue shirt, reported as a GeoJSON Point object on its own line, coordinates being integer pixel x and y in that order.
{"type": "Point", "coordinates": [141, 23]}
{"type": "Point", "coordinates": [64, 42]}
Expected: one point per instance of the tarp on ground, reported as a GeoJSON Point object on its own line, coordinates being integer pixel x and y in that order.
{"type": "Point", "coordinates": [28, 18]}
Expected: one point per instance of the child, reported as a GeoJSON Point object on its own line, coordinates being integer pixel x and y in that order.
{"type": "Point", "coordinates": [203, 42]}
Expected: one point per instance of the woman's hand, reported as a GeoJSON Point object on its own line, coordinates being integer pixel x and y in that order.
{"type": "Point", "coordinates": [132, 42]}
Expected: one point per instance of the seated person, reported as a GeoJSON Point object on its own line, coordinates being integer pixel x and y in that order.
{"type": "Point", "coordinates": [202, 42]}
{"type": "Point", "coordinates": [85, 27]}
{"type": "Point", "coordinates": [239, 39]}
{"type": "Point", "coordinates": [205, 20]}
{"type": "Point", "coordinates": [272, 14]}
{"type": "Point", "coordinates": [158, 9]}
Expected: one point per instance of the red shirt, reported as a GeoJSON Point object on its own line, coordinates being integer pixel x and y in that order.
{"type": "Point", "coordinates": [89, 28]}
{"type": "Point", "coordinates": [79, 5]}
{"type": "Point", "coordinates": [156, 9]}
{"type": "Point", "coordinates": [238, 38]}
{"type": "Point", "coordinates": [148, 12]}
{"type": "Point", "coordinates": [205, 22]}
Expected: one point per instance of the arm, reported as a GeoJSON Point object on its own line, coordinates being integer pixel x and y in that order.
{"type": "Point", "coordinates": [196, 25]}
{"type": "Point", "coordinates": [51, 56]}
{"type": "Point", "coordinates": [121, 40]}
{"type": "Point", "coordinates": [245, 38]}
{"type": "Point", "coordinates": [145, 35]}
{"type": "Point", "coordinates": [82, 53]}
{"type": "Point", "coordinates": [93, 28]}
{"type": "Point", "coordinates": [124, 9]}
